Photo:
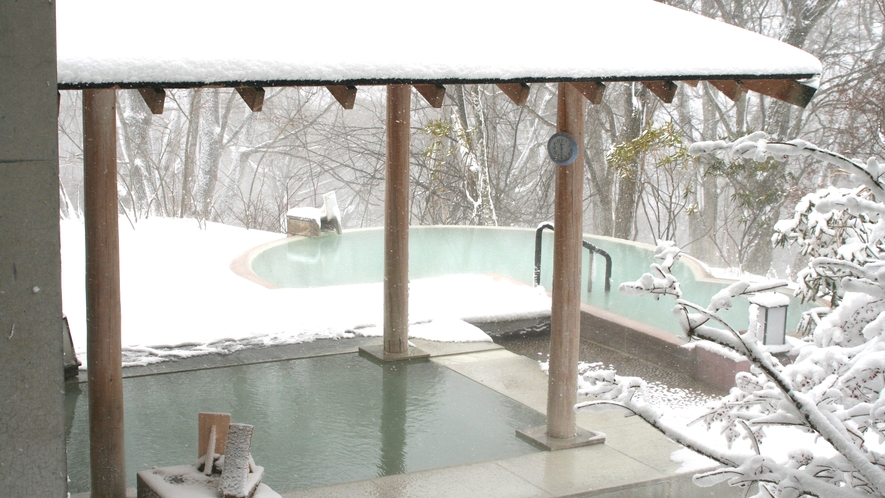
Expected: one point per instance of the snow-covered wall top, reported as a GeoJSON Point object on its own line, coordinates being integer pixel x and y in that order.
{"type": "Point", "coordinates": [190, 42]}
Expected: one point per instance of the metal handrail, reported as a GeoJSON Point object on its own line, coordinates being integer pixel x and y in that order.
{"type": "Point", "coordinates": [590, 247]}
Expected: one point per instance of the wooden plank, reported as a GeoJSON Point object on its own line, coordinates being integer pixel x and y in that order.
{"type": "Point", "coordinates": [433, 94]}
{"type": "Point", "coordinates": [155, 98]}
{"type": "Point", "coordinates": [234, 477]}
{"type": "Point", "coordinates": [205, 421]}
{"type": "Point", "coordinates": [691, 83]}
{"type": "Point", "coordinates": [103, 320]}
{"type": "Point", "coordinates": [518, 92]}
{"type": "Point", "coordinates": [591, 90]}
{"type": "Point", "coordinates": [730, 88]}
{"type": "Point", "coordinates": [565, 312]}
{"type": "Point", "coordinates": [396, 221]}
{"type": "Point", "coordinates": [344, 94]}
{"type": "Point", "coordinates": [664, 90]}
{"type": "Point", "coordinates": [253, 96]}
{"type": "Point", "coordinates": [789, 91]}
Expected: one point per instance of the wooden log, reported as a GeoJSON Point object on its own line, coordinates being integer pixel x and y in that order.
{"type": "Point", "coordinates": [565, 313]}
{"type": "Point", "coordinates": [664, 90]}
{"type": "Point", "coordinates": [518, 92]}
{"type": "Point", "coordinates": [103, 321]}
{"type": "Point", "coordinates": [344, 94]}
{"type": "Point", "coordinates": [396, 221]}
{"type": "Point", "coordinates": [235, 482]}
{"type": "Point", "coordinates": [433, 94]}
{"type": "Point", "coordinates": [205, 421]}
{"type": "Point", "coordinates": [155, 98]}
{"type": "Point", "coordinates": [591, 90]}
{"type": "Point", "coordinates": [253, 96]}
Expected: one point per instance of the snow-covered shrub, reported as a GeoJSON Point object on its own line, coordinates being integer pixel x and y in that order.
{"type": "Point", "coordinates": [833, 387]}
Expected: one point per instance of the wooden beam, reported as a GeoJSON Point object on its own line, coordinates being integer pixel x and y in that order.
{"type": "Point", "coordinates": [591, 90]}
{"type": "Point", "coordinates": [253, 96]}
{"type": "Point", "coordinates": [396, 221]}
{"type": "Point", "coordinates": [155, 98]}
{"type": "Point", "coordinates": [103, 322]}
{"type": "Point", "coordinates": [518, 92]}
{"type": "Point", "coordinates": [730, 88]}
{"type": "Point", "coordinates": [344, 94]}
{"type": "Point", "coordinates": [664, 90]}
{"type": "Point", "coordinates": [565, 312]}
{"type": "Point", "coordinates": [789, 91]}
{"type": "Point", "coordinates": [691, 83]}
{"type": "Point", "coordinates": [433, 94]}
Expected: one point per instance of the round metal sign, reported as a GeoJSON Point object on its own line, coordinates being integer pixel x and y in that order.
{"type": "Point", "coordinates": [562, 148]}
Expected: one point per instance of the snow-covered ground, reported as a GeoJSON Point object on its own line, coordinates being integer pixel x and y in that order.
{"type": "Point", "coordinates": [180, 297]}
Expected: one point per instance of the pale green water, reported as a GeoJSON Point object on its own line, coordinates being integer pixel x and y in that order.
{"type": "Point", "coordinates": [356, 257]}
{"type": "Point", "coordinates": [317, 421]}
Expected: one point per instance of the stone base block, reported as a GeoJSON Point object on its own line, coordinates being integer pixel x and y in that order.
{"type": "Point", "coordinates": [377, 354]}
{"type": "Point", "coordinates": [538, 437]}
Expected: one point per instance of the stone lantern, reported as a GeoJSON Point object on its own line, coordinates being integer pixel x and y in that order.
{"type": "Point", "coordinates": [770, 317]}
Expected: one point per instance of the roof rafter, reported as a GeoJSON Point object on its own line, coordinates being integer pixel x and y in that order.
{"type": "Point", "coordinates": [155, 98]}
{"type": "Point", "coordinates": [664, 90]}
{"type": "Point", "coordinates": [789, 91]}
{"type": "Point", "coordinates": [792, 91]}
{"type": "Point", "coordinates": [518, 92]}
{"type": "Point", "coordinates": [733, 89]}
{"type": "Point", "coordinates": [433, 93]}
{"type": "Point", "coordinates": [253, 96]}
{"type": "Point", "coordinates": [591, 90]}
{"type": "Point", "coordinates": [344, 94]}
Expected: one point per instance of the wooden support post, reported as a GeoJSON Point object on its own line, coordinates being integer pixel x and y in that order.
{"type": "Point", "coordinates": [664, 90]}
{"type": "Point", "coordinates": [253, 96]}
{"type": "Point", "coordinates": [396, 221]}
{"type": "Point", "coordinates": [344, 94]}
{"type": "Point", "coordinates": [433, 94]}
{"type": "Point", "coordinates": [103, 342]}
{"type": "Point", "coordinates": [155, 98]}
{"type": "Point", "coordinates": [565, 315]}
{"type": "Point", "coordinates": [518, 92]}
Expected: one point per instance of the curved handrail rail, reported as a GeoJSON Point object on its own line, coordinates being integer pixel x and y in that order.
{"type": "Point", "coordinates": [590, 248]}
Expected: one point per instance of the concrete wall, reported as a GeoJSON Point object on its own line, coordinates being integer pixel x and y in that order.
{"type": "Point", "coordinates": [32, 445]}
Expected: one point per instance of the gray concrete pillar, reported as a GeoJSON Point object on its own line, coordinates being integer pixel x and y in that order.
{"type": "Point", "coordinates": [32, 441]}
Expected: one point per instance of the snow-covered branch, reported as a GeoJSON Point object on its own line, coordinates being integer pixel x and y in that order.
{"type": "Point", "coordinates": [833, 386]}
{"type": "Point", "coordinates": [758, 147]}
{"type": "Point", "coordinates": [832, 392]}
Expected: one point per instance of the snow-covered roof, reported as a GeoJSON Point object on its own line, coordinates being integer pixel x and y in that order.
{"type": "Point", "coordinates": [183, 43]}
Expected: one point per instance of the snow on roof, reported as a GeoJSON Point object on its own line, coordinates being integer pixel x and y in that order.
{"type": "Point", "coordinates": [285, 42]}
